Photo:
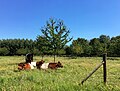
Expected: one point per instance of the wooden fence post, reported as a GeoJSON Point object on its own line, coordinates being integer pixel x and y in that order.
{"type": "Point", "coordinates": [104, 68]}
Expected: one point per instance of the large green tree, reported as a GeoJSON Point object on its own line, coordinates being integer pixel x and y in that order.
{"type": "Point", "coordinates": [96, 47]}
{"type": "Point", "coordinates": [57, 34]}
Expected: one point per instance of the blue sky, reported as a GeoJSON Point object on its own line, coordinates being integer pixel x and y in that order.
{"type": "Point", "coordinates": [84, 18]}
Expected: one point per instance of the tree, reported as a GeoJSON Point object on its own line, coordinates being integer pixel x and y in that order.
{"type": "Point", "coordinates": [56, 33]}
{"type": "Point", "coordinates": [4, 51]}
{"type": "Point", "coordinates": [42, 45]}
{"type": "Point", "coordinates": [76, 48]}
{"type": "Point", "coordinates": [114, 49]}
{"type": "Point", "coordinates": [96, 47]}
{"type": "Point", "coordinates": [68, 50]}
{"type": "Point", "coordinates": [84, 46]}
{"type": "Point", "coordinates": [22, 51]}
{"type": "Point", "coordinates": [105, 41]}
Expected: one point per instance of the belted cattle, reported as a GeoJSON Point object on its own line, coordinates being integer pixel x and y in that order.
{"type": "Point", "coordinates": [32, 65]}
{"type": "Point", "coordinates": [51, 65]}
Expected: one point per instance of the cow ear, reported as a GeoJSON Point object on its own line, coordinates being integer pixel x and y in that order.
{"type": "Point", "coordinates": [42, 61]}
{"type": "Point", "coordinates": [58, 61]}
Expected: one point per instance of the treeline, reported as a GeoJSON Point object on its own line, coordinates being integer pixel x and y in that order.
{"type": "Point", "coordinates": [16, 46]}
{"type": "Point", "coordinates": [79, 47]}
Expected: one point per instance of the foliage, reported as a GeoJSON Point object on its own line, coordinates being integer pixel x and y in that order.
{"type": "Point", "coordinates": [56, 35]}
{"type": "Point", "coordinates": [68, 50]}
{"type": "Point", "coordinates": [4, 51]}
{"type": "Point", "coordinates": [76, 48]}
{"type": "Point", "coordinates": [17, 46]}
{"type": "Point", "coordinates": [79, 47]}
{"type": "Point", "coordinates": [105, 42]}
{"type": "Point", "coordinates": [96, 47]}
{"type": "Point", "coordinates": [36, 51]}
{"type": "Point", "coordinates": [53, 42]}
{"type": "Point", "coordinates": [114, 49]}
{"type": "Point", "coordinates": [22, 51]}
{"type": "Point", "coordinates": [42, 45]}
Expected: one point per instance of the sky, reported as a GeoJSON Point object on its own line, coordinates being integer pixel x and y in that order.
{"type": "Point", "coordinates": [84, 18]}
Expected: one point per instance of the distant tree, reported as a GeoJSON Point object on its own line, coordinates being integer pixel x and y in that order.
{"type": "Point", "coordinates": [85, 46]}
{"type": "Point", "coordinates": [56, 33]}
{"type": "Point", "coordinates": [4, 51]}
{"type": "Point", "coordinates": [68, 50]}
{"type": "Point", "coordinates": [12, 46]}
{"type": "Point", "coordinates": [96, 47]}
{"type": "Point", "coordinates": [61, 52]}
{"type": "Point", "coordinates": [114, 49]}
{"type": "Point", "coordinates": [76, 48]}
{"type": "Point", "coordinates": [105, 42]}
{"type": "Point", "coordinates": [22, 51]}
{"type": "Point", "coordinates": [36, 51]}
{"type": "Point", "coordinates": [42, 45]}
{"type": "Point", "coordinates": [81, 47]}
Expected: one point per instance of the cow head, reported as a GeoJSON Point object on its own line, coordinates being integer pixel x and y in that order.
{"type": "Point", "coordinates": [29, 58]}
{"type": "Point", "coordinates": [59, 64]}
{"type": "Point", "coordinates": [39, 64]}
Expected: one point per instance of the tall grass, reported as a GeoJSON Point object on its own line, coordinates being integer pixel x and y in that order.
{"type": "Point", "coordinates": [67, 78]}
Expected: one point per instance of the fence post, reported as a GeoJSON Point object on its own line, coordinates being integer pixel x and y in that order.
{"type": "Point", "coordinates": [104, 67]}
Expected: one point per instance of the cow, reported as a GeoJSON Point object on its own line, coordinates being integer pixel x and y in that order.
{"type": "Point", "coordinates": [32, 65]}
{"type": "Point", "coordinates": [51, 65]}
{"type": "Point", "coordinates": [25, 66]}
{"type": "Point", "coordinates": [29, 58]}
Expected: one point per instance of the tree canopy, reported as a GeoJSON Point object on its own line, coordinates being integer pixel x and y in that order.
{"type": "Point", "coordinates": [56, 35]}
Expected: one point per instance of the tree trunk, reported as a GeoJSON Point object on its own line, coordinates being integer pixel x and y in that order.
{"type": "Point", "coordinates": [42, 57]}
{"type": "Point", "coordinates": [54, 54]}
{"type": "Point", "coordinates": [54, 58]}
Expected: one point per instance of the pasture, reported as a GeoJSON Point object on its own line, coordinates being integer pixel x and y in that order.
{"type": "Point", "coordinates": [62, 79]}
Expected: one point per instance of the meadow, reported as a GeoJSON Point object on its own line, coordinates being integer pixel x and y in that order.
{"type": "Point", "coordinates": [67, 78]}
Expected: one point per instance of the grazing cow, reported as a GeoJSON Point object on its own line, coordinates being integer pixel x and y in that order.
{"type": "Point", "coordinates": [51, 65]}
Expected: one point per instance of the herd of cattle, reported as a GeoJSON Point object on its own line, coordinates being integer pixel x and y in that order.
{"type": "Point", "coordinates": [29, 64]}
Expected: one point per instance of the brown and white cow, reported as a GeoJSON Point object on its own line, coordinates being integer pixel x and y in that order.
{"type": "Point", "coordinates": [25, 66]}
{"type": "Point", "coordinates": [32, 65]}
{"type": "Point", "coordinates": [51, 65]}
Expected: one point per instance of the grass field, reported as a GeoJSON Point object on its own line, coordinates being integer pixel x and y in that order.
{"type": "Point", "coordinates": [63, 79]}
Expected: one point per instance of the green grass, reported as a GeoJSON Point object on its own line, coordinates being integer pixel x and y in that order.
{"type": "Point", "coordinates": [67, 78]}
